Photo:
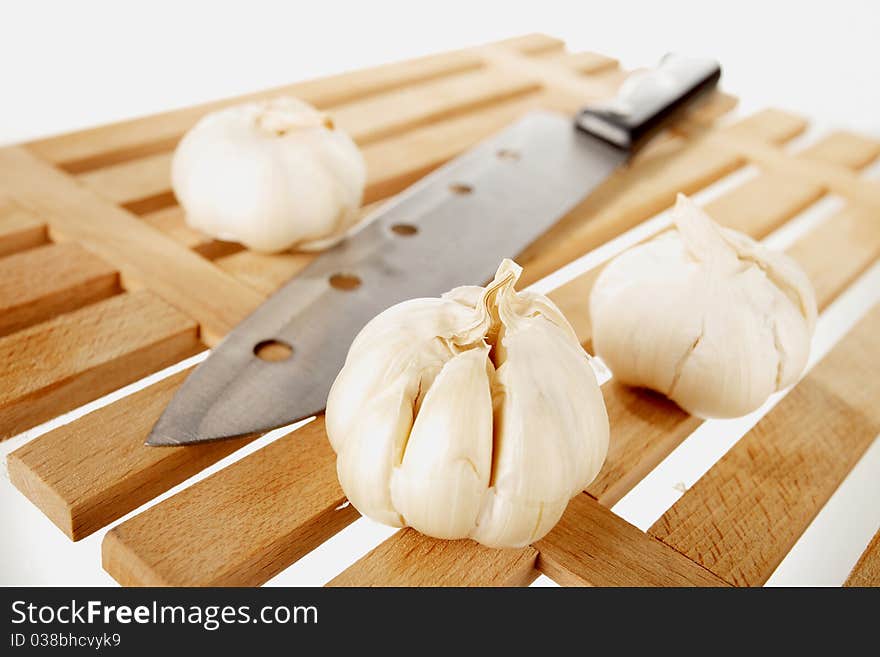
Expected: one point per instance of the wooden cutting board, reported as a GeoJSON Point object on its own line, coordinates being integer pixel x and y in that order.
{"type": "Point", "coordinates": [102, 283]}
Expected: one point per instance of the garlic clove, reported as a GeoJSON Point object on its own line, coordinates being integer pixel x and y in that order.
{"type": "Point", "coordinates": [376, 442]}
{"type": "Point", "coordinates": [643, 318]}
{"type": "Point", "coordinates": [438, 487]}
{"type": "Point", "coordinates": [737, 354]}
{"type": "Point", "coordinates": [544, 453]}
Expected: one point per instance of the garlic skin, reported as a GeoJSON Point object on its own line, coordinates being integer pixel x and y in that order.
{"type": "Point", "coordinates": [271, 175]}
{"type": "Point", "coordinates": [704, 315]}
{"type": "Point", "coordinates": [476, 414]}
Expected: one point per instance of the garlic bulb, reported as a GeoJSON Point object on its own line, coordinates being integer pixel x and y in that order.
{"type": "Point", "coordinates": [704, 315]}
{"type": "Point", "coordinates": [476, 414]}
{"type": "Point", "coordinates": [271, 175]}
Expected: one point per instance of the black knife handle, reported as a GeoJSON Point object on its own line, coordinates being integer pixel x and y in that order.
{"type": "Point", "coordinates": [647, 101]}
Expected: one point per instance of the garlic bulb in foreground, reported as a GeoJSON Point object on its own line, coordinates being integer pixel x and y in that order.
{"type": "Point", "coordinates": [476, 414]}
{"type": "Point", "coordinates": [271, 175]}
{"type": "Point", "coordinates": [704, 315]}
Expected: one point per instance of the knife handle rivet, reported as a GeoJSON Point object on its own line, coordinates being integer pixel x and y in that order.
{"type": "Point", "coordinates": [460, 188]}
{"type": "Point", "coordinates": [345, 282]}
{"type": "Point", "coordinates": [404, 230]}
{"type": "Point", "coordinates": [273, 350]}
{"type": "Point", "coordinates": [507, 154]}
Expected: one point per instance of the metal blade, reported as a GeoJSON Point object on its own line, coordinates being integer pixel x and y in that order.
{"type": "Point", "coordinates": [484, 206]}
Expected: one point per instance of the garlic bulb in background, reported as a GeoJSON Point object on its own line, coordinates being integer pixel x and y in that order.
{"type": "Point", "coordinates": [704, 315]}
{"type": "Point", "coordinates": [476, 414]}
{"type": "Point", "coordinates": [271, 175]}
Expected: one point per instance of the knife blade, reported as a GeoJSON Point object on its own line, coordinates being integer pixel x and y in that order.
{"type": "Point", "coordinates": [451, 228]}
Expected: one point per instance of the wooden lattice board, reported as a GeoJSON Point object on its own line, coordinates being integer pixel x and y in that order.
{"type": "Point", "coordinates": [102, 283]}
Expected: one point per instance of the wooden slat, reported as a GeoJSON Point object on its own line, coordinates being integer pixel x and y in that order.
{"type": "Point", "coordinates": [85, 474]}
{"type": "Point", "coordinates": [381, 117]}
{"type": "Point", "coordinates": [591, 546]}
{"type": "Point", "coordinates": [835, 177]}
{"type": "Point", "coordinates": [60, 364]}
{"type": "Point", "coordinates": [647, 428]}
{"type": "Point", "coordinates": [867, 571]}
{"type": "Point", "coordinates": [249, 520]}
{"type": "Point", "coordinates": [771, 125]}
{"type": "Point", "coordinates": [184, 279]}
{"type": "Point", "coordinates": [136, 180]}
{"type": "Point", "coordinates": [744, 515]}
{"type": "Point", "coordinates": [125, 140]}
{"type": "Point", "coordinates": [853, 234]}
{"type": "Point", "coordinates": [40, 283]}
{"type": "Point", "coordinates": [587, 63]}
{"type": "Point", "coordinates": [19, 229]}
{"type": "Point", "coordinates": [844, 148]}
{"type": "Point", "coordinates": [407, 560]}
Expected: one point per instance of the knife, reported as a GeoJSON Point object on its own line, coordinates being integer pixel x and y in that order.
{"type": "Point", "coordinates": [451, 228]}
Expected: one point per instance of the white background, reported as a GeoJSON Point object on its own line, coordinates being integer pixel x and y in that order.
{"type": "Point", "coordinates": [69, 65]}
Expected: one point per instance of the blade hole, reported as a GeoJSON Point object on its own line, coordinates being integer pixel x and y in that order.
{"type": "Point", "coordinates": [273, 351]}
{"type": "Point", "coordinates": [507, 154]}
{"type": "Point", "coordinates": [461, 189]}
{"type": "Point", "coordinates": [404, 230]}
{"type": "Point", "coordinates": [345, 282]}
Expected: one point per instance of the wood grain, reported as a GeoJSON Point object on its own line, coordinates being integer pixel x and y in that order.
{"type": "Point", "coordinates": [88, 473]}
{"type": "Point", "coordinates": [214, 299]}
{"type": "Point", "coordinates": [19, 229]}
{"type": "Point", "coordinates": [867, 571]}
{"type": "Point", "coordinates": [240, 526]}
{"type": "Point", "coordinates": [40, 283]}
{"type": "Point", "coordinates": [744, 515]}
{"type": "Point", "coordinates": [89, 149]}
{"type": "Point", "coordinates": [591, 546]}
{"type": "Point", "coordinates": [406, 559]}
{"type": "Point", "coordinates": [76, 357]}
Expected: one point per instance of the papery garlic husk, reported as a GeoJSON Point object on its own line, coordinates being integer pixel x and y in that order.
{"type": "Point", "coordinates": [272, 175]}
{"type": "Point", "coordinates": [476, 414]}
{"type": "Point", "coordinates": [704, 315]}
